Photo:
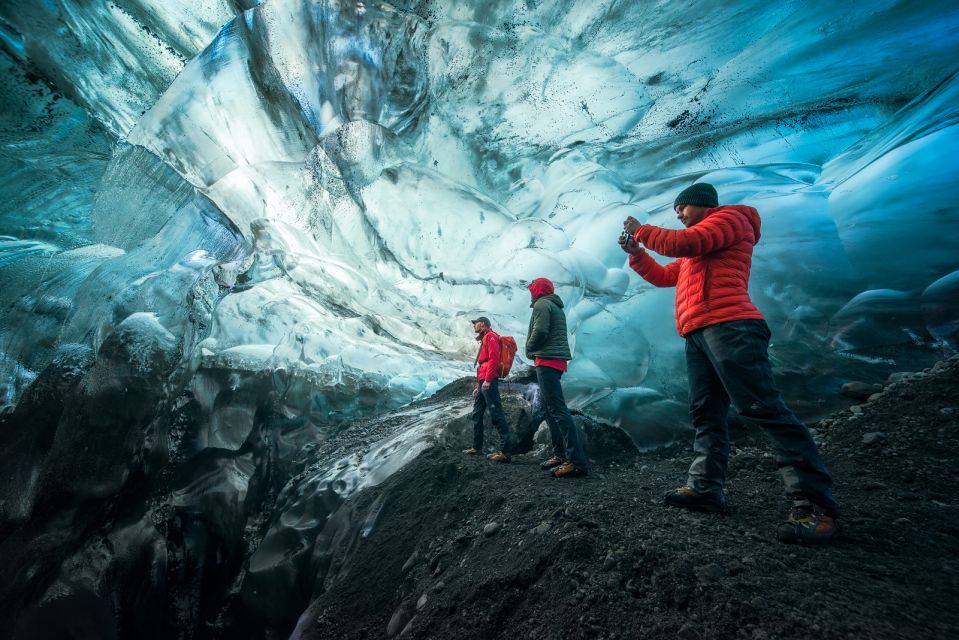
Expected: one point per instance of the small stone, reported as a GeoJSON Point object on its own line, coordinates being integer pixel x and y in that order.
{"type": "Point", "coordinates": [400, 617]}
{"type": "Point", "coordinates": [439, 586]}
{"type": "Point", "coordinates": [898, 376]}
{"type": "Point", "coordinates": [874, 437]}
{"type": "Point", "coordinates": [948, 411]}
{"type": "Point", "coordinates": [422, 602]}
{"type": "Point", "coordinates": [409, 564]}
{"type": "Point", "coordinates": [490, 530]}
{"type": "Point", "coordinates": [856, 408]}
{"type": "Point", "coordinates": [569, 513]}
{"type": "Point", "coordinates": [540, 529]}
{"type": "Point", "coordinates": [408, 629]}
{"type": "Point", "coordinates": [609, 563]}
{"type": "Point", "coordinates": [711, 572]}
{"type": "Point", "coordinates": [874, 397]}
{"type": "Point", "coordinates": [859, 390]}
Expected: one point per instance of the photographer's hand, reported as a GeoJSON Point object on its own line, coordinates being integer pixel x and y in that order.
{"type": "Point", "coordinates": [631, 224]}
{"type": "Point", "coordinates": [630, 246]}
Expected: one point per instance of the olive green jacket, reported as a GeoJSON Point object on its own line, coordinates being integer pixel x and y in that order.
{"type": "Point", "coordinates": [547, 337]}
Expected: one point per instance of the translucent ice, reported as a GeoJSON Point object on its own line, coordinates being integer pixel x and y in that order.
{"type": "Point", "coordinates": [371, 176]}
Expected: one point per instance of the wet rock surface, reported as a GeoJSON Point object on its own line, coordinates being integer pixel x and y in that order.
{"type": "Point", "coordinates": [381, 528]}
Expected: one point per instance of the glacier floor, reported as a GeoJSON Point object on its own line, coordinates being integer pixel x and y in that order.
{"type": "Point", "coordinates": [384, 528]}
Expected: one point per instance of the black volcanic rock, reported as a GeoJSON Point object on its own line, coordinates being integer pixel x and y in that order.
{"type": "Point", "coordinates": [292, 533]}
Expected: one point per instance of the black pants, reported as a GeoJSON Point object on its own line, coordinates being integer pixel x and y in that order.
{"type": "Point", "coordinates": [728, 362]}
{"type": "Point", "coordinates": [539, 415]}
{"type": "Point", "coordinates": [558, 416]}
{"type": "Point", "coordinates": [489, 398]}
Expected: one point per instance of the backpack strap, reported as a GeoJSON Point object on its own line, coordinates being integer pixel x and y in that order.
{"type": "Point", "coordinates": [482, 344]}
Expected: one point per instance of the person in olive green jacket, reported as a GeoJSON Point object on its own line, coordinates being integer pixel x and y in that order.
{"type": "Point", "coordinates": [548, 346]}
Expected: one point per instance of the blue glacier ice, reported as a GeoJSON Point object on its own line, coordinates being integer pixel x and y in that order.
{"type": "Point", "coordinates": [230, 217]}
{"type": "Point", "coordinates": [386, 172]}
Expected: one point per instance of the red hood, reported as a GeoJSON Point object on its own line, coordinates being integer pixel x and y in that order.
{"type": "Point", "coordinates": [540, 287]}
{"type": "Point", "coordinates": [747, 212]}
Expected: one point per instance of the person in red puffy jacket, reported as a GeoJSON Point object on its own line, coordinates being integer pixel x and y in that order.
{"type": "Point", "coordinates": [486, 393]}
{"type": "Point", "coordinates": [726, 356]}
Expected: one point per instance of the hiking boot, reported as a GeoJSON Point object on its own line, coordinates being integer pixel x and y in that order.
{"type": "Point", "coordinates": [552, 463]}
{"type": "Point", "coordinates": [471, 451]}
{"type": "Point", "coordinates": [688, 498]}
{"type": "Point", "coordinates": [805, 526]}
{"type": "Point", "coordinates": [499, 456]}
{"type": "Point", "coordinates": [569, 470]}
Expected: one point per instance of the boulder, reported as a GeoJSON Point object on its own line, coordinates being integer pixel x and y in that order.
{"type": "Point", "coordinates": [859, 390]}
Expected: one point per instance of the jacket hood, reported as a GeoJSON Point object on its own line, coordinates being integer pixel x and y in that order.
{"type": "Point", "coordinates": [541, 287]}
{"type": "Point", "coordinates": [555, 299]}
{"type": "Point", "coordinates": [751, 215]}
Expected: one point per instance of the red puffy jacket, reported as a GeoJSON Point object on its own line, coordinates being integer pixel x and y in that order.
{"type": "Point", "coordinates": [488, 357]}
{"type": "Point", "coordinates": [712, 274]}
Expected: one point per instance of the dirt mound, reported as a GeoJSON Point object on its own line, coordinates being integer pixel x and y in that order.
{"type": "Point", "coordinates": [463, 548]}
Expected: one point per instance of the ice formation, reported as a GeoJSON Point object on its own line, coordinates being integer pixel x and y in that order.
{"type": "Point", "coordinates": [232, 212]}
{"type": "Point", "coordinates": [356, 181]}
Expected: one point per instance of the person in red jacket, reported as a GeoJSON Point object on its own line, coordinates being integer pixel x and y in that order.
{"type": "Point", "coordinates": [726, 357]}
{"type": "Point", "coordinates": [486, 392]}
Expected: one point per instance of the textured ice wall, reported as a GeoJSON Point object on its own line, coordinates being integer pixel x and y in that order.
{"type": "Point", "coordinates": [383, 173]}
{"type": "Point", "coordinates": [229, 227]}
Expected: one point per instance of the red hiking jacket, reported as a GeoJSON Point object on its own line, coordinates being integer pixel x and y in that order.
{"type": "Point", "coordinates": [488, 357]}
{"type": "Point", "coordinates": [712, 274]}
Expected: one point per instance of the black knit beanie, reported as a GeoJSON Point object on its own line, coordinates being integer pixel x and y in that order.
{"type": "Point", "coordinates": [701, 194]}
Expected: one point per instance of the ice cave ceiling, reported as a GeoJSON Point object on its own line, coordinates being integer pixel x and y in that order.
{"type": "Point", "coordinates": [327, 191]}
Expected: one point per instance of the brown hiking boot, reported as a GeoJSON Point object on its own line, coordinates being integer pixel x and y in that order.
{"type": "Point", "coordinates": [499, 456]}
{"type": "Point", "coordinates": [805, 526]}
{"type": "Point", "coordinates": [687, 498]}
{"type": "Point", "coordinates": [471, 451]}
{"type": "Point", "coordinates": [569, 470]}
{"type": "Point", "coordinates": [552, 463]}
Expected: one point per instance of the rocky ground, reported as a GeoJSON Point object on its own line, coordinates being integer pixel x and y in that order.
{"type": "Point", "coordinates": [463, 548]}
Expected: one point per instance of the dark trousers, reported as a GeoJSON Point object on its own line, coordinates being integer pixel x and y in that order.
{"type": "Point", "coordinates": [728, 362]}
{"type": "Point", "coordinates": [558, 417]}
{"type": "Point", "coordinates": [489, 399]}
{"type": "Point", "coordinates": [539, 414]}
